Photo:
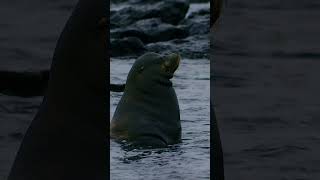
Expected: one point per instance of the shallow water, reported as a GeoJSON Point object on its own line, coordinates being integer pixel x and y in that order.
{"type": "Point", "coordinates": [191, 158]}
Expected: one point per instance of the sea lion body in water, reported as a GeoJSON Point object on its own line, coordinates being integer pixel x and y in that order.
{"type": "Point", "coordinates": [148, 113]}
{"type": "Point", "coordinates": [68, 137]}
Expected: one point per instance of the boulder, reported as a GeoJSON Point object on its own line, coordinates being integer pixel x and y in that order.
{"type": "Point", "coordinates": [150, 30]}
{"type": "Point", "coordinates": [169, 11]}
{"type": "Point", "coordinates": [126, 47]}
{"type": "Point", "coordinates": [193, 47]}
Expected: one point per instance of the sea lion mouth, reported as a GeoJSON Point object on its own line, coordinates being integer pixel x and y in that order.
{"type": "Point", "coordinates": [172, 62]}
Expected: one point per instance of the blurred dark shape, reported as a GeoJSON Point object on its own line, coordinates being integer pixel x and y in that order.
{"type": "Point", "coordinates": [216, 11]}
{"type": "Point", "coordinates": [217, 164]}
{"type": "Point", "coordinates": [117, 87]}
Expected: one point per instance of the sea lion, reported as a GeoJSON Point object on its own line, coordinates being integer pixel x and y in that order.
{"type": "Point", "coordinates": [68, 137]}
{"type": "Point", "coordinates": [148, 113]}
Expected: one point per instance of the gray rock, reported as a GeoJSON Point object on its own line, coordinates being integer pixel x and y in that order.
{"type": "Point", "coordinates": [169, 11]}
{"type": "Point", "coordinates": [193, 47]}
{"type": "Point", "coordinates": [197, 22]}
{"type": "Point", "coordinates": [126, 47]}
{"type": "Point", "coordinates": [150, 30]}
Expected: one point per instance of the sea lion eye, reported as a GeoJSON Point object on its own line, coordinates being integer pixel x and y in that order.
{"type": "Point", "coordinates": [141, 69]}
{"type": "Point", "coordinates": [166, 63]}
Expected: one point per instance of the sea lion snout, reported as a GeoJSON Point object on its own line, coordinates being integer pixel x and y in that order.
{"type": "Point", "coordinates": [172, 62]}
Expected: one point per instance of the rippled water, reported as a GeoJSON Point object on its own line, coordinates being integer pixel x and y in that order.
{"type": "Point", "coordinates": [191, 158]}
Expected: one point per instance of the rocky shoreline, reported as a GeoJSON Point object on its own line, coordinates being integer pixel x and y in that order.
{"type": "Point", "coordinates": [136, 27]}
{"type": "Point", "coordinates": [159, 26]}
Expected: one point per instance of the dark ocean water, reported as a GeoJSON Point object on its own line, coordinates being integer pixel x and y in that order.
{"type": "Point", "coordinates": [265, 80]}
{"type": "Point", "coordinates": [191, 158]}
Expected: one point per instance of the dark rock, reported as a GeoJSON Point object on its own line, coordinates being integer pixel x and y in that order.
{"type": "Point", "coordinates": [150, 30]}
{"type": "Point", "coordinates": [199, 1]}
{"type": "Point", "coordinates": [135, 1]}
{"type": "Point", "coordinates": [127, 46]}
{"type": "Point", "coordinates": [200, 12]}
{"type": "Point", "coordinates": [169, 11]}
{"type": "Point", "coordinates": [197, 22]}
{"type": "Point", "coordinates": [119, 1]}
{"type": "Point", "coordinates": [24, 84]}
{"type": "Point", "coordinates": [16, 135]}
{"type": "Point", "coordinates": [193, 47]}
{"type": "Point", "coordinates": [117, 87]}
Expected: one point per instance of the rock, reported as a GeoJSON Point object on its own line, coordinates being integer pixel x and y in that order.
{"type": "Point", "coordinates": [193, 47]}
{"type": "Point", "coordinates": [24, 84]}
{"type": "Point", "coordinates": [118, 1]}
{"type": "Point", "coordinates": [131, 2]}
{"type": "Point", "coordinates": [197, 22]}
{"type": "Point", "coordinates": [16, 135]}
{"type": "Point", "coordinates": [169, 11]}
{"type": "Point", "coordinates": [199, 1]}
{"type": "Point", "coordinates": [127, 46]}
{"type": "Point", "coordinates": [200, 12]}
{"type": "Point", "coordinates": [150, 30]}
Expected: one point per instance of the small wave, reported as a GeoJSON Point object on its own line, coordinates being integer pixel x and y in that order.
{"type": "Point", "coordinates": [274, 151]}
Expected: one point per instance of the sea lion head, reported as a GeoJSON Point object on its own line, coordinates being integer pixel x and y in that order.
{"type": "Point", "coordinates": [153, 70]}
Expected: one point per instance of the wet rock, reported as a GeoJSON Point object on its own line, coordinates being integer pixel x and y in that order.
{"type": "Point", "coordinates": [131, 2]}
{"type": "Point", "coordinates": [199, 1]}
{"type": "Point", "coordinates": [193, 47]}
{"type": "Point", "coordinates": [200, 12]}
{"type": "Point", "coordinates": [197, 22]}
{"type": "Point", "coordinates": [117, 87]}
{"type": "Point", "coordinates": [24, 84]}
{"type": "Point", "coordinates": [169, 11]}
{"type": "Point", "coordinates": [118, 1]}
{"type": "Point", "coordinates": [150, 30]}
{"type": "Point", "coordinates": [127, 46]}
{"type": "Point", "coordinates": [16, 135]}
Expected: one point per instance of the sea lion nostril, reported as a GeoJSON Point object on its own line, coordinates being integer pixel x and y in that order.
{"type": "Point", "coordinates": [173, 61]}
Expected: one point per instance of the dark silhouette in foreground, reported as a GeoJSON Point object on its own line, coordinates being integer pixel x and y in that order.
{"type": "Point", "coordinates": [68, 137]}
{"type": "Point", "coordinates": [217, 158]}
{"type": "Point", "coordinates": [217, 164]}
